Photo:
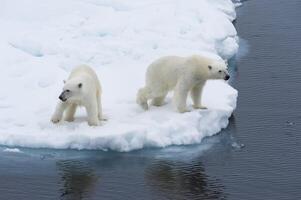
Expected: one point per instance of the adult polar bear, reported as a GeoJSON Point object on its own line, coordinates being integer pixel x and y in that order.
{"type": "Point", "coordinates": [81, 89]}
{"type": "Point", "coordinates": [183, 75]}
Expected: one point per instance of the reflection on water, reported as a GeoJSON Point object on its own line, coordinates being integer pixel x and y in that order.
{"type": "Point", "coordinates": [176, 172]}
{"type": "Point", "coordinates": [77, 179]}
{"type": "Point", "coordinates": [178, 180]}
{"type": "Point", "coordinates": [183, 176]}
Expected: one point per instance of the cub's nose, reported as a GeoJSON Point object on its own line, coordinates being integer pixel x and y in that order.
{"type": "Point", "coordinates": [61, 97]}
{"type": "Point", "coordinates": [227, 77]}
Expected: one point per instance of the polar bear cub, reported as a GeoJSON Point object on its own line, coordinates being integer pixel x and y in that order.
{"type": "Point", "coordinates": [183, 75]}
{"type": "Point", "coordinates": [81, 89]}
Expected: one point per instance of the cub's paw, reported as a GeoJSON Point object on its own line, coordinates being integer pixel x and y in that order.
{"type": "Point", "coordinates": [55, 119]}
{"type": "Point", "coordinates": [144, 105]}
{"type": "Point", "coordinates": [103, 118]}
{"type": "Point", "coordinates": [183, 110]}
{"type": "Point", "coordinates": [93, 123]}
{"type": "Point", "coordinates": [199, 107]}
{"type": "Point", "coordinates": [69, 119]}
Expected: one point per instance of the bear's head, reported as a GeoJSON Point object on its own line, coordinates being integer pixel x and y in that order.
{"type": "Point", "coordinates": [218, 70]}
{"type": "Point", "coordinates": [72, 91]}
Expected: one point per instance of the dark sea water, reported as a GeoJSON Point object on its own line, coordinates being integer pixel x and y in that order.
{"type": "Point", "coordinates": [258, 156]}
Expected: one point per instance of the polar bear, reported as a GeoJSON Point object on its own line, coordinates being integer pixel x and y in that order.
{"type": "Point", "coordinates": [81, 89]}
{"type": "Point", "coordinates": [183, 75]}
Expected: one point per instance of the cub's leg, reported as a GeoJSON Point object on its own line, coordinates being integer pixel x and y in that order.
{"type": "Point", "coordinates": [70, 111]}
{"type": "Point", "coordinates": [196, 95]}
{"type": "Point", "coordinates": [58, 113]}
{"type": "Point", "coordinates": [143, 95]}
{"type": "Point", "coordinates": [159, 101]}
{"type": "Point", "coordinates": [180, 96]}
{"type": "Point", "coordinates": [92, 111]}
{"type": "Point", "coordinates": [100, 116]}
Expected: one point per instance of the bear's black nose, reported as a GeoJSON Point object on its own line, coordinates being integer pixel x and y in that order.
{"type": "Point", "coordinates": [227, 77]}
{"type": "Point", "coordinates": [62, 98]}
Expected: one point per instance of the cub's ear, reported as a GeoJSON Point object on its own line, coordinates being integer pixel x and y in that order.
{"type": "Point", "coordinates": [80, 85]}
{"type": "Point", "coordinates": [209, 67]}
{"type": "Point", "coordinates": [64, 81]}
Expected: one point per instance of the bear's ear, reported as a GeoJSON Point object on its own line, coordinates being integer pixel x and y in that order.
{"type": "Point", "coordinates": [80, 85]}
{"type": "Point", "coordinates": [209, 67]}
{"type": "Point", "coordinates": [64, 81]}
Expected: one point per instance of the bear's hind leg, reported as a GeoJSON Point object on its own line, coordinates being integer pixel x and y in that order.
{"type": "Point", "coordinates": [70, 111]}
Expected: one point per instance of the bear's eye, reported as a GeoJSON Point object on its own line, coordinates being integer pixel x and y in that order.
{"type": "Point", "coordinates": [67, 90]}
{"type": "Point", "coordinates": [220, 71]}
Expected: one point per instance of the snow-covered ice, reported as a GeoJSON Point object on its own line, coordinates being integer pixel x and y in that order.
{"type": "Point", "coordinates": [41, 41]}
{"type": "Point", "coordinates": [12, 150]}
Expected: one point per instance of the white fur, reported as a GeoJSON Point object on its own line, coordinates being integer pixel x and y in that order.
{"type": "Point", "coordinates": [84, 90]}
{"type": "Point", "coordinates": [183, 75]}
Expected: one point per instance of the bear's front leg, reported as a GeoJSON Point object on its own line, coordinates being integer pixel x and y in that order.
{"type": "Point", "coordinates": [69, 113]}
{"type": "Point", "coordinates": [180, 96]}
{"type": "Point", "coordinates": [58, 113]}
{"type": "Point", "coordinates": [99, 104]}
{"type": "Point", "coordinates": [92, 112]}
{"type": "Point", "coordinates": [196, 95]}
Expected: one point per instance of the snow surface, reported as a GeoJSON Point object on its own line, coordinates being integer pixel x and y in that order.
{"type": "Point", "coordinates": [41, 41]}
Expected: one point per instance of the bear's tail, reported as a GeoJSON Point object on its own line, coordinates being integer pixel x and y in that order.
{"type": "Point", "coordinates": [142, 97]}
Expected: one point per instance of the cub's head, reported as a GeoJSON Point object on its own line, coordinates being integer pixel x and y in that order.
{"type": "Point", "coordinates": [218, 70]}
{"type": "Point", "coordinates": [72, 91]}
